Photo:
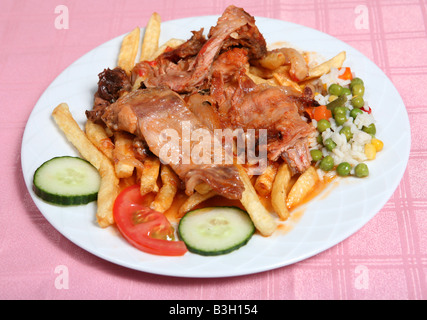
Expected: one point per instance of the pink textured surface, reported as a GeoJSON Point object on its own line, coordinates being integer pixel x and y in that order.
{"type": "Point", "coordinates": [390, 252]}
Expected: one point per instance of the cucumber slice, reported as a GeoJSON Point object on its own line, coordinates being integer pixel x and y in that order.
{"type": "Point", "coordinates": [215, 230]}
{"type": "Point", "coordinates": [67, 181]}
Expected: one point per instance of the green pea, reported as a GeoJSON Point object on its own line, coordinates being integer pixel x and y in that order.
{"type": "Point", "coordinates": [343, 169]}
{"type": "Point", "coordinates": [323, 124]}
{"type": "Point", "coordinates": [358, 90]}
{"type": "Point", "coordinates": [347, 132]}
{"type": "Point", "coordinates": [330, 144]}
{"type": "Point", "coordinates": [316, 155]}
{"type": "Point", "coordinates": [356, 81]}
{"type": "Point", "coordinates": [355, 112]}
{"type": "Point", "coordinates": [357, 102]}
{"type": "Point", "coordinates": [319, 139]}
{"type": "Point", "coordinates": [327, 163]}
{"type": "Point", "coordinates": [335, 89]}
{"type": "Point", "coordinates": [361, 170]}
{"type": "Point", "coordinates": [340, 119]}
{"type": "Point", "coordinates": [340, 110]}
{"type": "Point", "coordinates": [346, 91]}
{"type": "Point", "coordinates": [371, 129]}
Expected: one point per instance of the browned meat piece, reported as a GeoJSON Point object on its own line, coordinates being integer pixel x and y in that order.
{"type": "Point", "coordinates": [244, 104]}
{"type": "Point", "coordinates": [216, 93]}
{"type": "Point", "coordinates": [183, 72]}
{"type": "Point", "coordinates": [111, 85]}
{"type": "Point", "coordinates": [188, 49]}
{"type": "Point", "coordinates": [148, 113]}
{"type": "Point", "coordinates": [244, 34]}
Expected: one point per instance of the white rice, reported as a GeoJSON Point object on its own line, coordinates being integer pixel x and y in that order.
{"type": "Point", "coordinates": [333, 77]}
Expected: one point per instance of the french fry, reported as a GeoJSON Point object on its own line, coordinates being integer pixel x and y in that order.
{"type": "Point", "coordinates": [129, 50]}
{"type": "Point", "coordinates": [262, 219]}
{"type": "Point", "coordinates": [150, 43]}
{"type": "Point", "coordinates": [167, 192]}
{"type": "Point", "coordinates": [261, 72]}
{"type": "Point", "coordinates": [109, 187]}
{"type": "Point", "coordinates": [194, 200]}
{"type": "Point", "coordinates": [325, 67]}
{"type": "Point", "coordinates": [123, 155]}
{"type": "Point", "coordinates": [278, 192]}
{"type": "Point", "coordinates": [98, 136]}
{"type": "Point", "coordinates": [264, 182]}
{"type": "Point", "coordinates": [304, 184]}
{"type": "Point", "coordinates": [282, 76]}
{"type": "Point", "coordinates": [150, 173]}
{"type": "Point", "coordinates": [273, 60]}
{"type": "Point", "coordinates": [259, 80]}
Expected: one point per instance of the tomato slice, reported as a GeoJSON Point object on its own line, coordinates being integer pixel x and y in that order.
{"type": "Point", "coordinates": [146, 229]}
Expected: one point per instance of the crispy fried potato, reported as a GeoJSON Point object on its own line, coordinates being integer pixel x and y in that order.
{"type": "Point", "coordinates": [150, 173]}
{"type": "Point", "coordinates": [302, 187]}
{"type": "Point", "coordinates": [194, 200]}
{"type": "Point", "coordinates": [150, 43]}
{"type": "Point", "coordinates": [261, 72]}
{"type": "Point", "coordinates": [325, 67]}
{"type": "Point", "coordinates": [282, 76]}
{"type": "Point", "coordinates": [167, 192]}
{"type": "Point", "coordinates": [262, 219]}
{"type": "Point", "coordinates": [273, 60]}
{"type": "Point", "coordinates": [109, 187]}
{"type": "Point", "coordinates": [259, 80]}
{"type": "Point", "coordinates": [129, 50]}
{"type": "Point", "coordinates": [278, 192]}
{"type": "Point", "coordinates": [264, 182]}
{"type": "Point", "coordinates": [123, 155]}
{"type": "Point", "coordinates": [99, 137]}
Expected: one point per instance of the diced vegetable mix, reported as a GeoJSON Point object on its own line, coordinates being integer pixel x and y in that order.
{"type": "Point", "coordinates": [345, 127]}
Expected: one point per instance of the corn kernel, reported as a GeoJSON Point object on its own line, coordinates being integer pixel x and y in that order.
{"type": "Point", "coordinates": [378, 144]}
{"type": "Point", "coordinates": [370, 151]}
{"type": "Point", "coordinates": [332, 98]}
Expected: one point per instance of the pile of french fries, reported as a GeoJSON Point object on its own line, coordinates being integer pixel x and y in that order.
{"type": "Point", "coordinates": [112, 154]}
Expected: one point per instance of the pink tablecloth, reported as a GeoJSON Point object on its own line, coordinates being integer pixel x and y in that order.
{"type": "Point", "coordinates": [386, 259]}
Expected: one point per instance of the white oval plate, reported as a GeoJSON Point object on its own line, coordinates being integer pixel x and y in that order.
{"type": "Point", "coordinates": [327, 220]}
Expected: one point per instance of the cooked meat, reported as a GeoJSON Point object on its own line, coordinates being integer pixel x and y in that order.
{"type": "Point", "coordinates": [242, 32]}
{"type": "Point", "coordinates": [148, 113]}
{"type": "Point", "coordinates": [229, 82]}
{"type": "Point", "coordinates": [188, 49]}
{"type": "Point", "coordinates": [182, 71]}
{"type": "Point", "coordinates": [203, 108]}
{"type": "Point", "coordinates": [244, 104]}
{"type": "Point", "coordinates": [216, 92]}
{"type": "Point", "coordinates": [111, 85]}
